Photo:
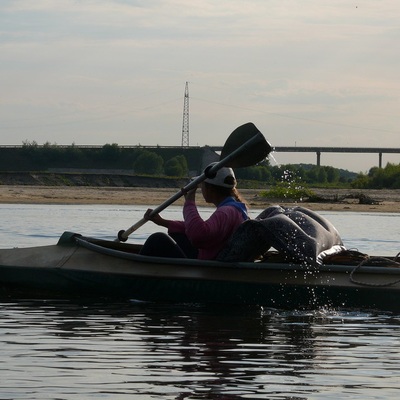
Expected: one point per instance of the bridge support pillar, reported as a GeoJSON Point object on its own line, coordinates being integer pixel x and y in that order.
{"type": "Point", "coordinates": [318, 158]}
{"type": "Point", "coordinates": [380, 160]}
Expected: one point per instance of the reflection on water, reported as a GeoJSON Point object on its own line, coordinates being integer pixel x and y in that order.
{"type": "Point", "coordinates": [100, 350]}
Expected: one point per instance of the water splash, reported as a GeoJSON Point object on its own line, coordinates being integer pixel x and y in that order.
{"type": "Point", "coordinates": [271, 156]}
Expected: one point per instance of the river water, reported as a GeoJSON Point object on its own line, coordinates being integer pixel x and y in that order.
{"type": "Point", "coordinates": [122, 350]}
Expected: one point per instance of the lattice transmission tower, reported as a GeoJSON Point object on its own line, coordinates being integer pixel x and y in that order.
{"type": "Point", "coordinates": [185, 124]}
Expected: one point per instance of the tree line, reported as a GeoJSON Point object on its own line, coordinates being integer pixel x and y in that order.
{"type": "Point", "coordinates": [379, 178]}
{"type": "Point", "coordinates": [175, 162]}
{"type": "Point", "coordinates": [305, 173]}
{"type": "Point", "coordinates": [34, 157]}
{"type": "Point", "coordinates": [158, 161]}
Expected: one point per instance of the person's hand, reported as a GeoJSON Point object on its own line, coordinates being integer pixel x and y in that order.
{"type": "Point", "coordinates": [191, 194]}
{"type": "Point", "coordinates": [156, 218]}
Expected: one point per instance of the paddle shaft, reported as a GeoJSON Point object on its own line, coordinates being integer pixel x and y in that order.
{"type": "Point", "coordinates": [258, 138]}
{"type": "Point", "coordinates": [123, 235]}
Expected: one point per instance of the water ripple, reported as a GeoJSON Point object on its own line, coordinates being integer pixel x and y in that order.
{"type": "Point", "coordinates": [92, 350]}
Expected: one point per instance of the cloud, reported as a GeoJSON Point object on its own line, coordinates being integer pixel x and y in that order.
{"type": "Point", "coordinates": [96, 71]}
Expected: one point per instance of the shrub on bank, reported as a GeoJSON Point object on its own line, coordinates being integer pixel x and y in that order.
{"type": "Point", "coordinates": [285, 191]}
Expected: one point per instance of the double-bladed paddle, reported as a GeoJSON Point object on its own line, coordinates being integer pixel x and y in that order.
{"type": "Point", "coordinates": [245, 146]}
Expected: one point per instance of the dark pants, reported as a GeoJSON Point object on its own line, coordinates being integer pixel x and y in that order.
{"type": "Point", "coordinates": [176, 245]}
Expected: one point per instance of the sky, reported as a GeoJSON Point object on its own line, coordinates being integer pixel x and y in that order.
{"type": "Point", "coordinates": [306, 73]}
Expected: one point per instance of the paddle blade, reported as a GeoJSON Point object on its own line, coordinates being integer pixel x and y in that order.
{"type": "Point", "coordinates": [252, 142]}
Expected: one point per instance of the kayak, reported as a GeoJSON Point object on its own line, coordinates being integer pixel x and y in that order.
{"type": "Point", "coordinates": [85, 267]}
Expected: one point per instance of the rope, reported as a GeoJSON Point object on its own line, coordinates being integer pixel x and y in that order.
{"type": "Point", "coordinates": [383, 259]}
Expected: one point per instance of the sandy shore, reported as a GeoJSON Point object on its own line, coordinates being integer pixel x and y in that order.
{"type": "Point", "coordinates": [388, 200]}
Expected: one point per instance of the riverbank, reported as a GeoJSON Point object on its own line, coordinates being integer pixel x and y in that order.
{"type": "Point", "coordinates": [333, 199]}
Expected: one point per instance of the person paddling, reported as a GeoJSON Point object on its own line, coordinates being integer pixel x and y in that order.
{"type": "Point", "coordinates": [194, 237]}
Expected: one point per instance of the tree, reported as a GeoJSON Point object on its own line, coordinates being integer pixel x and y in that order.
{"type": "Point", "coordinates": [322, 175]}
{"type": "Point", "coordinates": [266, 175]}
{"type": "Point", "coordinates": [379, 178]}
{"type": "Point", "coordinates": [148, 163]}
{"type": "Point", "coordinates": [176, 166]}
{"type": "Point", "coordinates": [361, 182]}
{"type": "Point", "coordinates": [183, 163]}
{"type": "Point", "coordinates": [110, 153]}
{"type": "Point", "coordinates": [332, 174]}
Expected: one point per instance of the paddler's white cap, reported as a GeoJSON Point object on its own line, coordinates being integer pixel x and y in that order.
{"type": "Point", "coordinates": [225, 177]}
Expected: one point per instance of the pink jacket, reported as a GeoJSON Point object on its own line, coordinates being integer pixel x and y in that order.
{"type": "Point", "coordinates": [211, 235]}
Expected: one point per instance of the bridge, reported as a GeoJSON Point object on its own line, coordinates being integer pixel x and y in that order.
{"type": "Point", "coordinates": [319, 150]}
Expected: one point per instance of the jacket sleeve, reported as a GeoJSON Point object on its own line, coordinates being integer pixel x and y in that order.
{"type": "Point", "coordinates": [176, 227]}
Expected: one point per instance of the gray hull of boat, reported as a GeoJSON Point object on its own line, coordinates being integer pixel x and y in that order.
{"type": "Point", "coordinates": [79, 267]}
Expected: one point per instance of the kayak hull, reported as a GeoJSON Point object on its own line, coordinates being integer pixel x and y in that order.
{"type": "Point", "coordinates": [91, 268]}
